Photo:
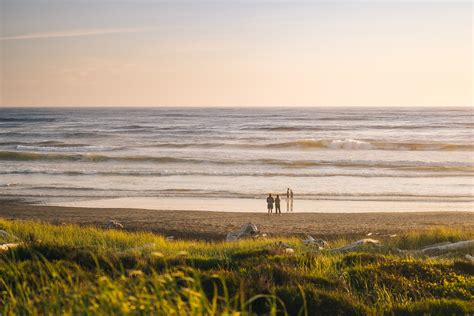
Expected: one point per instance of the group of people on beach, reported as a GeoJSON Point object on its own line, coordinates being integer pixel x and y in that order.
{"type": "Point", "coordinates": [276, 201]}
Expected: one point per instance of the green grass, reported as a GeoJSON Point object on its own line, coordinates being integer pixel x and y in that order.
{"type": "Point", "coordinates": [73, 270]}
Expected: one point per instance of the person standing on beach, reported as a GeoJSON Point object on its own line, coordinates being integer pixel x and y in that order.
{"type": "Point", "coordinates": [288, 199]}
{"type": "Point", "coordinates": [291, 200]}
{"type": "Point", "coordinates": [277, 205]}
{"type": "Point", "coordinates": [270, 201]}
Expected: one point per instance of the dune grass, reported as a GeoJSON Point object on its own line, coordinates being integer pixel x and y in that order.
{"type": "Point", "coordinates": [79, 270]}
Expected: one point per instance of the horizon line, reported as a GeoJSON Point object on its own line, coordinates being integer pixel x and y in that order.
{"type": "Point", "coordinates": [235, 107]}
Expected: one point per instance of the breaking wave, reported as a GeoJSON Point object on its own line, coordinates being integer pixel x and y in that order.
{"type": "Point", "coordinates": [92, 157]}
{"type": "Point", "coordinates": [330, 144]}
{"type": "Point", "coordinates": [301, 144]}
{"type": "Point", "coordinates": [353, 144]}
{"type": "Point", "coordinates": [341, 144]}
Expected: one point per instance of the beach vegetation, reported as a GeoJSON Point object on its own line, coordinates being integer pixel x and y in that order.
{"type": "Point", "coordinates": [67, 269]}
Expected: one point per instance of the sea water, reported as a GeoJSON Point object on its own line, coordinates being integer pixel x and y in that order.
{"type": "Point", "coordinates": [229, 159]}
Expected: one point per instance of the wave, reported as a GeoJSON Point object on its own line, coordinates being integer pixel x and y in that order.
{"type": "Point", "coordinates": [56, 134]}
{"type": "Point", "coordinates": [330, 144]}
{"type": "Point", "coordinates": [234, 174]}
{"type": "Point", "coordinates": [88, 157]}
{"type": "Point", "coordinates": [47, 143]}
{"type": "Point", "coordinates": [424, 146]}
{"type": "Point", "coordinates": [71, 191]}
{"type": "Point", "coordinates": [341, 144]}
{"type": "Point", "coordinates": [65, 148]}
{"type": "Point", "coordinates": [354, 127]}
{"type": "Point", "coordinates": [197, 145]}
{"type": "Point", "coordinates": [289, 128]}
{"type": "Point", "coordinates": [365, 164]}
{"type": "Point", "coordinates": [26, 119]}
{"type": "Point", "coordinates": [368, 164]}
{"type": "Point", "coordinates": [353, 144]}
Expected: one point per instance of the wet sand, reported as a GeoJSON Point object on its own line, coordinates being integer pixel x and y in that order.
{"type": "Point", "coordinates": [215, 225]}
{"type": "Point", "coordinates": [252, 205]}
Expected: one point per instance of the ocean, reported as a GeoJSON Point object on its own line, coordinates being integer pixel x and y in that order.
{"type": "Point", "coordinates": [229, 159]}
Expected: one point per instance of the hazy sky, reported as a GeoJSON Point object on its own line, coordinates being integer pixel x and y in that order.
{"type": "Point", "coordinates": [236, 53]}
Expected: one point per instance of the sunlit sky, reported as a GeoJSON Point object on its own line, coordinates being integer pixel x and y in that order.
{"type": "Point", "coordinates": [229, 53]}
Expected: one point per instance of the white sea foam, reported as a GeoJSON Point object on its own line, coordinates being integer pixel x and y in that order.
{"type": "Point", "coordinates": [349, 144]}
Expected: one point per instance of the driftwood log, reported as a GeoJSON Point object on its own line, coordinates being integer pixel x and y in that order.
{"type": "Point", "coordinates": [358, 244]}
{"type": "Point", "coordinates": [247, 230]}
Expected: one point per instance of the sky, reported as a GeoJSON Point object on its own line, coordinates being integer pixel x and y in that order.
{"type": "Point", "coordinates": [236, 53]}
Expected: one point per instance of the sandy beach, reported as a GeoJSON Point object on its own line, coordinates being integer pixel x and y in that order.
{"type": "Point", "coordinates": [215, 225]}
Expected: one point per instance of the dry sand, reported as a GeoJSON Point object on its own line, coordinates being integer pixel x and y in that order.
{"type": "Point", "coordinates": [215, 225]}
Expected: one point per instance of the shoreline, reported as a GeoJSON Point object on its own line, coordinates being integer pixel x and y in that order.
{"type": "Point", "coordinates": [214, 225]}
{"type": "Point", "coordinates": [355, 204]}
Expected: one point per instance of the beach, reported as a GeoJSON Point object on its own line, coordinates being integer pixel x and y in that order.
{"type": "Point", "coordinates": [236, 158]}
{"type": "Point", "coordinates": [215, 225]}
{"type": "Point", "coordinates": [202, 172]}
{"type": "Point", "coordinates": [224, 159]}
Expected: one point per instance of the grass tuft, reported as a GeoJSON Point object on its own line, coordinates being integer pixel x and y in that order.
{"type": "Point", "coordinates": [82, 270]}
